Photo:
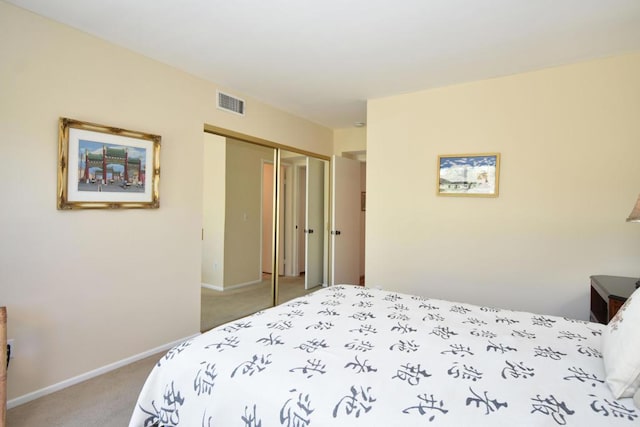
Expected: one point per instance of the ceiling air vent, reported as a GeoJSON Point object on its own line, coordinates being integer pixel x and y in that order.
{"type": "Point", "coordinates": [230, 103]}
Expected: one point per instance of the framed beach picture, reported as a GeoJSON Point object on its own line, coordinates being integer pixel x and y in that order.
{"type": "Point", "coordinates": [102, 167]}
{"type": "Point", "coordinates": [474, 175]}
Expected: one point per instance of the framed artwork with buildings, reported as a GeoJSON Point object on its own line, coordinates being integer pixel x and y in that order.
{"type": "Point", "coordinates": [103, 167]}
{"type": "Point", "coordinates": [472, 175]}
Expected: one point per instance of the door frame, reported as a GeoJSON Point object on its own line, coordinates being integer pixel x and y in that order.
{"type": "Point", "coordinates": [292, 235]}
{"type": "Point", "coordinates": [263, 164]}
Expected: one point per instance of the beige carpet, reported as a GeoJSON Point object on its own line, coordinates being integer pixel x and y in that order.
{"type": "Point", "coordinates": [108, 400]}
{"type": "Point", "coordinates": [221, 307]}
{"type": "Point", "coordinates": [105, 401]}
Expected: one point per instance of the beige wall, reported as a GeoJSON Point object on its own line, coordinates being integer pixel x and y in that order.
{"type": "Point", "coordinates": [349, 140]}
{"type": "Point", "coordinates": [570, 144]}
{"type": "Point", "coordinates": [75, 303]}
{"type": "Point", "coordinates": [213, 214]}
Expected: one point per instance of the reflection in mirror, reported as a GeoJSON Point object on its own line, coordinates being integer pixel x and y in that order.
{"type": "Point", "coordinates": [303, 231]}
{"type": "Point", "coordinates": [237, 230]}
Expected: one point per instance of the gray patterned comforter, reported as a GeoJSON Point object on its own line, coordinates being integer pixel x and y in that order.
{"type": "Point", "coordinates": [353, 356]}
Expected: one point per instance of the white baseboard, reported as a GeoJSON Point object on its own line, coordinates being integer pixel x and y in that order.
{"type": "Point", "coordinates": [213, 287]}
{"type": "Point", "coordinates": [91, 374]}
{"type": "Point", "coordinates": [221, 289]}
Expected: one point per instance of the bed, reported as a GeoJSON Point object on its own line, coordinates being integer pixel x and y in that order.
{"type": "Point", "coordinates": [352, 356]}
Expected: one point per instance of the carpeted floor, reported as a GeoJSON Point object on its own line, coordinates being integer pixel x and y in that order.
{"type": "Point", "coordinates": [222, 307]}
{"type": "Point", "coordinates": [108, 400]}
{"type": "Point", "coordinates": [105, 401]}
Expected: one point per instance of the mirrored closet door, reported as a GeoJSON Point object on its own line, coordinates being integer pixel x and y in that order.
{"type": "Point", "coordinates": [261, 204]}
{"type": "Point", "coordinates": [237, 242]}
{"type": "Point", "coordinates": [303, 227]}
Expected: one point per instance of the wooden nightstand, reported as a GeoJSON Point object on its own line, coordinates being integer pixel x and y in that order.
{"type": "Point", "coordinates": [608, 294]}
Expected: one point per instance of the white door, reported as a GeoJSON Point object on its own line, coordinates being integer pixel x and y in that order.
{"type": "Point", "coordinates": [345, 221]}
{"type": "Point", "coordinates": [314, 231]}
{"type": "Point", "coordinates": [301, 218]}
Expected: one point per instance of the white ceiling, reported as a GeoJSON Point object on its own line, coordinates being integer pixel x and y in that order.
{"type": "Point", "coordinates": [322, 59]}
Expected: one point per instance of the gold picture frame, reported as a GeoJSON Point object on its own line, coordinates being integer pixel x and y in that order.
{"type": "Point", "coordinates": [103, 167]}
{"type": "Point", "coordinates": [469, 175]}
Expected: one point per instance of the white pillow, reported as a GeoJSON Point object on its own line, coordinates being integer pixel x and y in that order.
{"type": "Point", "coordinates": [621, 349]}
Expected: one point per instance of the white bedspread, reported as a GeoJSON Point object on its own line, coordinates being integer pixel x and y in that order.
{"type": "Point", "coordinates": [353, 356]}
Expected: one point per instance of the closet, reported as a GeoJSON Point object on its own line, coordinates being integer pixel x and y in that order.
{"type": "Point", "coordinates": [265, 225]}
